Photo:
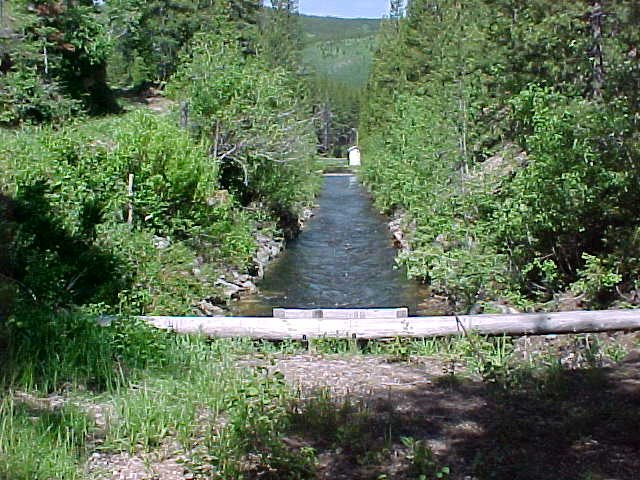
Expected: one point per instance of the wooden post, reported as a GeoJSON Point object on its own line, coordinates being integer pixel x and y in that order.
{"type": "Point", "coordinates": [216, 139]}
{"type": "Point", "coordinates": [130, 204]}
{"type": "Point", "coordinates": [46, 59]}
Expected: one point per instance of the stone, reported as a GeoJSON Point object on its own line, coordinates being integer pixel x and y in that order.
{"type": "Point", "coordinates": [249, 286]}
{"type": "Point", "coordinates": [257, 270]}
{"type": "Point", "coordinates": [209, 309]}
{"type": "Point", "coordinates": [230, 289]}
{"type": "Point", "coordinates": [221, 197]}
{"type": "Point", "coordinates": [262, 238]}
{"type": "Point", "coordinates": [500, 307]}
{"type": "Point", "coordinates": [240, 278]}
{"type": "Point", "coordinates": [161, 242]}
{"type": "Point", "coordinates": [262, 256]}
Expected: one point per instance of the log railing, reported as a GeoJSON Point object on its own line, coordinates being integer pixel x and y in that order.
{"type": "Point", "coordinates": [369, 324]}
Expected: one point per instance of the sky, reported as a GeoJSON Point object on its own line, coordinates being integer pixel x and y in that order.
{"type": "Point", "coordinates": [345, 8]}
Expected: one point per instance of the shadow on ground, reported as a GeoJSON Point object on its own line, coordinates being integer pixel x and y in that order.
{"type": "Point", "coordinates": [557, 425]}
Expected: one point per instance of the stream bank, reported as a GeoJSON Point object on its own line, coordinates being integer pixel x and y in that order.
{"type": "Point", "coordinates": [270, 238]}
{"type": "Point", "coordinates": [344, 258]}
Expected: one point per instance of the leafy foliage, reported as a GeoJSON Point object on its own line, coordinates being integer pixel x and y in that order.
{"type": "Point", "coordinates": [255, 120]}
{"type": "Point", "coordinates": [133, 213]}
{"type": "Point", "coordinates": [515, 168]}
{"type": "Point", "coordinates": [66, 220]}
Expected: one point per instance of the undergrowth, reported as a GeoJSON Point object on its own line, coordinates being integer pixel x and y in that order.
{"type": "Point", "coordinates": [71, 388]}
{"type": "Point", "coordinates": [149, 388]}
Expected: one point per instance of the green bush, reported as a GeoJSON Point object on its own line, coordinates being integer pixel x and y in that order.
{"type": "Point", "coordinates": [512, 165]}
{"type": "Point", "coordinates": [574, 192]}
{"type": "Point", "coordinates": [68, 233]}
{"type": "Point", "coordinates": [25, 97]}
{"type": "Point", "coordinates": [258, 124]}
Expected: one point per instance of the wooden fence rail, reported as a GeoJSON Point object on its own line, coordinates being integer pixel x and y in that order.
{"type": "Point", "coordinates": [384, 324]}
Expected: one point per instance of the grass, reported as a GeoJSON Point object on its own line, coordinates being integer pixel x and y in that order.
{"type": "Point", "coordinates": [334, 165]}
{"type": "Point", "coordinates": [175, 389]}
{"type": "Point", "coordinates": [40, 443]}
{"type": "Point", "coordinates": [131, 389]}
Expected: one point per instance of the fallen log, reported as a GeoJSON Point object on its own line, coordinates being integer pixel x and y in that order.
{"type": "Point", "coordinates": [340, 326]}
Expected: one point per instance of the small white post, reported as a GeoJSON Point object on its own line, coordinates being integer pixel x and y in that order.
{"type": "Point", "coordinates": [130, 204]}
{"type": "Point", "coordinates": [46, 59]}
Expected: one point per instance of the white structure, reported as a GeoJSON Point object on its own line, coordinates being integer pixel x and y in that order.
{"type": "Point", "coordinates": [354, 156]}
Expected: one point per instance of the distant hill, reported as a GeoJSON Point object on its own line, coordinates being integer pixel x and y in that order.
{"type": "Point", "coordinates": [322, 29]}
{"type": "Point", "coordinates": [338, 48]}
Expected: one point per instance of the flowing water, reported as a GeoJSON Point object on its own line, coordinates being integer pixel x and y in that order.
{"type": "Point", "coordinates": [344, 258]}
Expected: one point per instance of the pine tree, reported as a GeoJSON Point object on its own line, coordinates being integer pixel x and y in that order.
{"type": "Point", "coordinates": [280, 34]}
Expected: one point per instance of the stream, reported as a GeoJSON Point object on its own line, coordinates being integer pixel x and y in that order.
{"type": "Point", "coordinates": [344, 258]}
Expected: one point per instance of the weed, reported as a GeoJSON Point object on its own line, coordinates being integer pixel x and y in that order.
{"type": "Point", "coordinates": [251, 440]}
{"type": "Point", "coordinates": [615, 352]}
{"type": "Point", "coordinates": [41, 442]}
{"type": "Point", "coordinates": [424, 465]}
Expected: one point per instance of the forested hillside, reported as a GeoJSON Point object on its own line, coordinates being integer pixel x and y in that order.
{"type": "Point", "coordinates": [337, 54]}
{"type": "Point", "coordinates": [506, 135]}
{"type": "Point", "coordinates": [322, 29]}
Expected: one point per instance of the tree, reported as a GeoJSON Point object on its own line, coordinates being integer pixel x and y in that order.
{"type": "Point", "coordinates": [545, 90]}
{"type": "Point", "coordinates": [62, 51]}
{"type": "Point", "coordinates": [280, 35]}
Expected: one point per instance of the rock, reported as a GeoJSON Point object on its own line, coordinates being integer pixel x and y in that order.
{"type": "Point", "coordinates": [261, 238]}
{"type": "Point", "coordinates": [249, 286]}
{"type": "Point", "coordinates": [476, 309]}
{"type": "Point", "coordinates": [240, 278]}
{"type": "Point", "coordinates": [161, 242]}
{"type": "Point", "coordinates": [221, 197]}
{"type": "Point", "coordinates": [567, 302]}
{"type": "Point", "coordinates": [398, 229]}
{"type": "Point", "coordinates": [262, 256]}
{"type": "Point", "coordinates": [274, 250]}
{"type": "Point", "coordinates": [258, 271]}
{"type": "Point", "coordinates": [231, 290]}
{"type": "Point", "coordinates": [500, 307]}
{"type": "Point", "coordinates": [209, 309]}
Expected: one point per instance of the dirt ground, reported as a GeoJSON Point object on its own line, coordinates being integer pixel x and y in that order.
{"type": "Point", "coordinates": [373, 417]}
{"type": "Point", "coordinates": [578, 422]}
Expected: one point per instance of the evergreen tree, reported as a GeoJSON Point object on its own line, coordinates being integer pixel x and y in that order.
{"type": "Point", "coordinates": [547, 91]}
{"type": "Point", "coordinates": [280, 36]}
{"type": "Point", "coordinates": [62, 51]}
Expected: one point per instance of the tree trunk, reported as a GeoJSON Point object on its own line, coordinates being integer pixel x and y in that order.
{"type": "Point", "coordinates": [597, 63]}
